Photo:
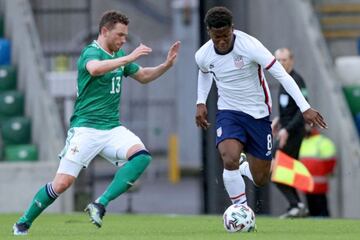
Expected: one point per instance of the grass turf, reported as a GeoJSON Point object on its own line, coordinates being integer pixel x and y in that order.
{"type": "Point", "coordinates": [158, 227]}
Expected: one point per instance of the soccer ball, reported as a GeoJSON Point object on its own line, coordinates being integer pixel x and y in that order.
{"type": "Point", "coordinates": [239, 218]}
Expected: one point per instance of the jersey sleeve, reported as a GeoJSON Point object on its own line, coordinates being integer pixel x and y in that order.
{"type": "Point", "coordinates": [297, 121]}
{"type": "Point", "coordinates": [90, 53]}
{"type": "Point", "coordinates": [130, 69]}
{"type": "Point", "coordinates": [289, 84]}
{"type": "Point", "coordinates": [204, 87]}
{"type": "Point", "coordinates": [200, 63]}
{"type": "Point", "coordinates": [260, 54]}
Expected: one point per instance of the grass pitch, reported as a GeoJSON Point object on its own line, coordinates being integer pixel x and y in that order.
{"type": "Point", "coordinates": [158, 227]}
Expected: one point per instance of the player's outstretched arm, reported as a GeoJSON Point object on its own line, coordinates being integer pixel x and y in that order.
{"type": "Point", "coordinates": [311, 116]}
{"type": "Point", "coordinates": [314, 118]}
{"type": "Point", "coordinates": [100, 67]}
{"type": "Point", "coordinates": [148, 74]}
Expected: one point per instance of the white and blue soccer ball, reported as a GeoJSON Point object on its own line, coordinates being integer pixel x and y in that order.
{"type": "Point", "coordinates": [239, 218]}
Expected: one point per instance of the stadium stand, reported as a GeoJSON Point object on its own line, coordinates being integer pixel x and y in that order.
{"type": "Point", "coordinates": [339, 20]}
{"type": "Point", "coordinates": [347, 68]}
{"type": "Point", "coordinates": [15, 127]}
{"type": "Point", "coordinates": [15, 131]}
{"type": "Point", "coordinates": [21, 152]}
{"type": "Point", "coordinates": [5, 51]}
{"type": "Point", "coordinates": [31, 129]}
{"type": "Point", "coordinates": [11, 104]}
{"type": "Point", "coordinates": [30, 79]}
{"type": "Point", "coordinates": [352, 94]}
{"type": "Point", "coordinates": [7, 77]}
{"type": "Point", "coordinates": [1, 26]}
{"type": "Point", "coordinates": [340, 25]}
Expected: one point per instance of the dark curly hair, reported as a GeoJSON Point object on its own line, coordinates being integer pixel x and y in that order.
{"type": "Point", "coordinates": [218, 17]}
{"type": "Point", "coordinates": [110, 18]}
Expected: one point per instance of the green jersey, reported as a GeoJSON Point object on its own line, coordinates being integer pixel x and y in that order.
{"type": "Point", "coordinates": [98, 97]}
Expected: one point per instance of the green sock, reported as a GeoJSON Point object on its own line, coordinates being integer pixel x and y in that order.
{"type": "Point", "coordinates": [42, 199]}
{"type": "Point", "coordinates": [125, 177]}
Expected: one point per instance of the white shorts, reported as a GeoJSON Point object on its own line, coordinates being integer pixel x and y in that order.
{"type": "Point", "coordinates": [69, 168]}
{"type": "Point", "coordinates": [84, 144]}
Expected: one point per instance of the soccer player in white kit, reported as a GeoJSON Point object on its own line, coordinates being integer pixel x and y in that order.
{"type": "Point", "coordinates": [235, 61]}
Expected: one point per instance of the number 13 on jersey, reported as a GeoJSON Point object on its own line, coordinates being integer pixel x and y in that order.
{"type": "Point", "coordinates": [115, 85]}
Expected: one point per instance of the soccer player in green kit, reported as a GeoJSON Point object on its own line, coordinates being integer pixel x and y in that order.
{"type": "Point", "coordinates": [95, 128]}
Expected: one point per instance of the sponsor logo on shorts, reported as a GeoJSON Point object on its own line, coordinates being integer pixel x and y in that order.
{"type": "Point", "coordinates": [268, 153]}
{"type": "Point", "coordinates": [219, 132]}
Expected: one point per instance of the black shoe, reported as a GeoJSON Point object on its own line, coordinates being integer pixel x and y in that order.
{"type": "Point", "coordinates": [299, 211]}
{"type": "Point", "coordinates": [96, 212]}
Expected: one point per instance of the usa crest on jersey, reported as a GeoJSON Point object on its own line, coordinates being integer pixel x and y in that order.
{"type": "Point", "coordinates": [238, 61]}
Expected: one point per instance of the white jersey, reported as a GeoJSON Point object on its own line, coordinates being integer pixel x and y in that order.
{"type": "Point", "coordinates": [239, 74]}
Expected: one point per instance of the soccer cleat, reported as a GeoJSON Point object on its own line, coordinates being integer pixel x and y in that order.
{"type": "Point", "coordinates": [244, 167]}
{"type": "Point", "coordinates": [242, 159]}
{"type": "Point", "coordinates": [96, 213]}
{"type": "Point", "coordinates": [20, 229]}
{"type": "Point", "coordinates": [296, 212]}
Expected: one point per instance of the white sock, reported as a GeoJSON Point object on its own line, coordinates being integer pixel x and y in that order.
{"type": "Point", "coordinates": [235, 186]}
{"type": "Point", "coordinates": [245, 170]}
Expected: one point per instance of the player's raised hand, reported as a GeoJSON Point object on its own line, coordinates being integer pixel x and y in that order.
{"type": "Point", "coordinates": [141, 50]}
{"type": "Point", "coordinates": [172, 54]}
{"type": "Point", "coordinates": [201, 116]}
{"type": "Point", "coordinates": [314, 118]}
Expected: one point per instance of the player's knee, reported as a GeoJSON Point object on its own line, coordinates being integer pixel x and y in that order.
{"type": "Point", "coordinates": [134, 150]}
{"type": "Point", "coordinates": [142, 159]}
{"type": "Point", "coordinates": [230, 163]}
{"type": "Point", "coordinates": [60, 185]}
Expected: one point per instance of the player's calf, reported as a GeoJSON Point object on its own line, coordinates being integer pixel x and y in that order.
{"type": "Point", "coordinates": [62, 182]}
{"type": "Point", "coordinates": [260, 170]}
{"type": "Point", "coordinates": [261, 179]}
{"type": "Point", "coordinates": [42, 199]}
